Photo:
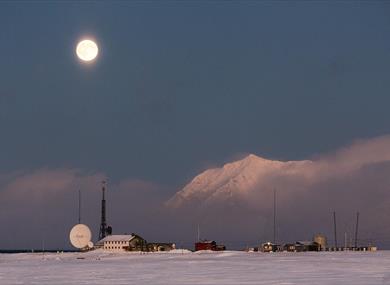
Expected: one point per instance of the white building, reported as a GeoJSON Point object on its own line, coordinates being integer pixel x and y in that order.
{"type": "Point", "coordinates": [122, 242]}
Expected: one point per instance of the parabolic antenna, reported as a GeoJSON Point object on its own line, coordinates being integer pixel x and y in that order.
{"type": "Point", "coordinates": [80, 236]}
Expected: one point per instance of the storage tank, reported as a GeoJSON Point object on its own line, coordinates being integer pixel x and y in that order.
{"type": "Point", "coordinates": [321, 240]}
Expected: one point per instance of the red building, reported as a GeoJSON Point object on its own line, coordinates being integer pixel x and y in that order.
{"type": "Point", "coordinates": [208, 245]}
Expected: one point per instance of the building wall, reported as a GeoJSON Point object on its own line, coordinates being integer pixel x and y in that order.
{"type": "Point", "coordinates": [136, 244]}
{"type": "Point", "coordinates": [116, 245]}
{"type": "Point", "coordinates": [205, 246]}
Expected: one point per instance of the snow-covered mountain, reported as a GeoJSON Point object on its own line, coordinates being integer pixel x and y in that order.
{"type": "Point", "coordinates": [237, 180]}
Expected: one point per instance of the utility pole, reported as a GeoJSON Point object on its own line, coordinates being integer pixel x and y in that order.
{"type": "Point", "coordinates": [356, 229]}
{"type": "Point", "coordinates": [335, 230]}
{"type": "Point", "coordinates": [274, 239]}
{"type": "Point", "coordinates": [79, 206]}
{"type": "Point", "coordinates": [345, 240]}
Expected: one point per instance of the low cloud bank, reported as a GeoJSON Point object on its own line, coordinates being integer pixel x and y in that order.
{"type": "Point", "coordinates": [40, 207]}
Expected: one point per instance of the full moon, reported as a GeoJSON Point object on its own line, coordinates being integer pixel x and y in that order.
{"type": "Point", "coordinates": [87, 50]}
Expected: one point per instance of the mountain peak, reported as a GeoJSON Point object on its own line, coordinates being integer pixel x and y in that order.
{"type": "Point", "coordinates": [233, 179]}
{"type": "Point", "coordinates": [254, 158]}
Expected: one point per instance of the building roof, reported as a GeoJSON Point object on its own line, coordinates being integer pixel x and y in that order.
{"type": "Point", "coordinates": [206, 241]}
{"type": "Point", "coordinates": [117, 238]}
{"type": "Point", "coordinates": [269, 243]}
{"type": "Point", "coordinates": [306, 242]}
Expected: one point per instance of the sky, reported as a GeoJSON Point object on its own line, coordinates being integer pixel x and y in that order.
{"type": "Point", "coordinates": [178, 87]}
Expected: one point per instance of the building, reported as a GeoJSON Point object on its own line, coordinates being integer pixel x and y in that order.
{"type": "Point", "coordinates": [290, 247]}
{"type": "Point", "coordinates": [321, 240]}
{"type": "Point", "coordinates": [131, 242]}
{"type": "Point", "coordinates": [301, 246]}
{"type": "Point", "coordinates": [307, 246]}
{"type": "Point", "coordinates": [158, 246]}
{"type": "Point", "coordinates": [270, 247]}
{"type": "Point", "coordinates": [209, 245]}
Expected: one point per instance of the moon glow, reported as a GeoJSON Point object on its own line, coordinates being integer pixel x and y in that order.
{"type": "Point", "coordinates": [87, 50]}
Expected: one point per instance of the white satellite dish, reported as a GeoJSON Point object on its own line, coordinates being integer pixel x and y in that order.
{"type": "Point", "coordinates": [80, 236]}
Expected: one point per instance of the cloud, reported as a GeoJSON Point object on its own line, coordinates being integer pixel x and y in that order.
{"type": "Point", "coordinates": [41, 205]}
{"type": "Point", "coordinates": [353, 157]}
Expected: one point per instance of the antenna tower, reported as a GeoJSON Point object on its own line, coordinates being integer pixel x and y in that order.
{"type": "Point", "coordinates": [274, 240]}
{"type": "Point", "coordinates": [103, 224]}
{"type": "Point", "coordinates": [335, 230]}
{"type": "Point", "coordinates": [356, 229]}
{"type": "Point", "coordinates": [79, 206]}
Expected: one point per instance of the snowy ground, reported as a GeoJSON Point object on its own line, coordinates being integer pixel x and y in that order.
{"type": "Point", "coordinates": [365, 268]}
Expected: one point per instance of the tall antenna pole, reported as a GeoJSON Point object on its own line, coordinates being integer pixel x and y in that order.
{"type": "Point", "coordinates": [103, 224]}
{"type": "Point", "coordinates": [79, 206]}
{"type": "Point", "coordinates": [335, 230]}
{"type": "Point", "coordinates": [198, 233]}
{"type": "Point", "coordinates": [345, 240]}
{"type": "Point", "coordinates": [356, 229]}
{"type": "Point", "coordinates": [274, 240]}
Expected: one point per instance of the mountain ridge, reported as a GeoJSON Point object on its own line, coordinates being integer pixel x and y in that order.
{"type": "Point", "coordinates": [237, 178]}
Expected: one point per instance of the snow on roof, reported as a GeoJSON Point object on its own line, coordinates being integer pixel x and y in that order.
{"type": "Point", "coordinates": [117, 238]}
{"type": "Point", "coordinates": [206, 241]}
{"type": "Point", "coordinates": [305, 242]}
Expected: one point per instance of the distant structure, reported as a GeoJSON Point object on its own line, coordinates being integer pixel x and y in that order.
{"type": "Point", "coordinates": [123, 243]}
{"type": "Point", "coordinates": [274, 240]}
{"type": "Point", "coordinates": [335, 230]}
{"type": "Point", "coordinates": [209, 245]}
{"type": "Point", "coordinates": [270, 247]}
{"type": "Point", "coordinates": [80, 235]}
{"type": "Point", "coordinates": [320, 239]}
{"type": "Point", "coordinates": [356, 230]}
{"type": "Point", "coordinates": [133, 242]}
{"type": "Point", "coordinates": [349, 247]}
{"type": "Point", "coordinates": [301, 246]}
{"type": "Point", "coordinates": [104, 229]}
{"type": "Point", "coordinates": [79, 206]}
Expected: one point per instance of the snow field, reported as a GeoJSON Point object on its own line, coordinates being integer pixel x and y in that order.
{"type": "Point", "coordinates": [182, 267]}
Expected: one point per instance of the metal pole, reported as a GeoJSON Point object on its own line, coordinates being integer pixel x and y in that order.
{"type": "Point", "coordinates": [345, 240]}
{"type": "Point", "coordinates": [79, 206]}
{"type": "Point", "coordinates": [274, 216]}
{"type": "Point", "coordinates": [335, 229]}
{"type": "Point", "coordinates": [356, 229]}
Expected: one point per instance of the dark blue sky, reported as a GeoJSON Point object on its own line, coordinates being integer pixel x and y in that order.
{"type": "Point", "coordinates": [179, 85]}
